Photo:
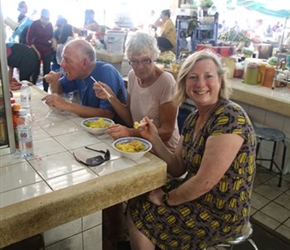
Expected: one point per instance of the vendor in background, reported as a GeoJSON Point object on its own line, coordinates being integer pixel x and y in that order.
{"type": "Point", "coordinates": [166, 32]}
{"type": "Point", "coordinates": [90, 23]}
{"type": "Point", "coordinates": [259, 32]}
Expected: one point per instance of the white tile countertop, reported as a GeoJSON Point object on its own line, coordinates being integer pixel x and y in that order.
{"type": "Point", "coordinates": [52, 188]}
{"type": "Point", "coordinates": [275, 100]}
{"type": "Point", "coordinates": [280, 93]}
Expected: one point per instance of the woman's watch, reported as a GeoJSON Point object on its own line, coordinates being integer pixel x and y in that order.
{"type": "Point", "coordinates": [165, 198]}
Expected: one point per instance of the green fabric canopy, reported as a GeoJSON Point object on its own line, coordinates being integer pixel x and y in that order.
{"type": "Point", "coordinates": [280, 9]}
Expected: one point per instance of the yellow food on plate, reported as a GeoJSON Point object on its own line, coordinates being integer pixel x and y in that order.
{"type": "Point", "coordinates": [132, 146]}
{"type": "Point", "coordinates": [100, 123]}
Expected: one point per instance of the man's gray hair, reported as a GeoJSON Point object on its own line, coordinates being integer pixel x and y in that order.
{"type": "Point", "coordinates": [84, 48]}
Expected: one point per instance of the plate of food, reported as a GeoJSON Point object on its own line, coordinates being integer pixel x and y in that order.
{"type": "Point", "coordinates": [132, 147]}
{"type": "Point", "coordinates": [96, 125]}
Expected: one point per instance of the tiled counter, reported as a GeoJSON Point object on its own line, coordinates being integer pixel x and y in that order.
{"type": "Point", "coordinates": [269, 108]}
{"type": "Point", "coordinates": [52, 189]}
{"type": "Point", "coordinates": [275, 100]}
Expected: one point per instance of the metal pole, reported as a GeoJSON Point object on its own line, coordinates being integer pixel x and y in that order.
{"type": "Point", "coordinates": [5, 85]}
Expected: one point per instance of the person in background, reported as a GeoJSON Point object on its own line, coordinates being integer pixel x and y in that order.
{"type": "Point", "coordinates": [24, 23]}
{"type": "Point", "coordinates": [22, 8]}
{"type": "Point", "coordinates": [276, 26]}
{"type": "Point", "coordinates": [90, 23]}
{"type": "Point", "coordinates": [223, 27]}
{"type": "Point", "coordinates": [66, 35]}
{"type": "Point", "coordinates": [39, 37]}
{"type": "Point", "coordinates": [258, 32]}
{"type": "Point", "coordinates": [22, 57]}
{"type": "Point", "coordinates": [79, 65]}
{"type": "Point", "coordinates": [166, 31]}
{"type": "Point", "coordinates": [55, 66]}
{"type": "Point", "coordinates": [211, 204]}
{"type": "Point", "coordinates": [150, 93]}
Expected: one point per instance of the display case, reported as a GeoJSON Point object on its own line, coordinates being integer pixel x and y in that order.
{"type": "Point", "coordinates": [206, 33]}
{"type": "Point", "coordinates": [7, 140]}
{"type": "Point", "coordinates": [192, 30]}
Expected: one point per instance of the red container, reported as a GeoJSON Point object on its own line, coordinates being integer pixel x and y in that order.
{"type": "Point", "coordinates": [224, 51]}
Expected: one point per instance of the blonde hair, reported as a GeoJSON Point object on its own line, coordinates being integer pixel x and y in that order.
{"type": "Point", "coordinates": [187, 65]}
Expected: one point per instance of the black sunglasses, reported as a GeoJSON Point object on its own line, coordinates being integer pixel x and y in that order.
{"type": "Point", "coordinates": [96, 160]}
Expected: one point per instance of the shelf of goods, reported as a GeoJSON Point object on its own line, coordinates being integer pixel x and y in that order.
{"type": "Point", "coordinates": [191, 31]}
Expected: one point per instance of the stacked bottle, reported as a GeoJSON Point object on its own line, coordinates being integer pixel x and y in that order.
{"type": "Point", "coordinates": [25, 97]}
{"type": "Point", "coordinates": [24, 132]}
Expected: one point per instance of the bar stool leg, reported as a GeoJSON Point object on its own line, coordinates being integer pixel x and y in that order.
{"type": "Point", "coordinates": [253, 244]}
{"type": "Point", "coordinates": [273, 155]}
{"type": "Point", "coordinates": [283, 162]}
{"type": "Point", "coordinates": [257, 148]}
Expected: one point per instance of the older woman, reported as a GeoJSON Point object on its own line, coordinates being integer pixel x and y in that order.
{"type": "Point", "coordinates": [150, 93]}
{"type": "Point", "coordinates": [217, 150]}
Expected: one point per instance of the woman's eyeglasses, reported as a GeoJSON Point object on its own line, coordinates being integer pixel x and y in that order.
{"type": "Point", "coordinates": [143, 62]}
{"type": "Point", "coordinates": [96, 160]}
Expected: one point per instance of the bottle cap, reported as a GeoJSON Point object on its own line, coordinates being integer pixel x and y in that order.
{"type": "Point", "coordinates": [16, 107]}
{"type": "Point", "coordinates": [24, 82]}
{"type": "Point", "coordinates": [22, 112]}
{"type": "Point", "coordinates": [12, 100]}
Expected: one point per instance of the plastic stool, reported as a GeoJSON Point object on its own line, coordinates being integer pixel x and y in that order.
{"type": "Point", "coordinates": [246, 234]}
{"type": "Point", "coordinates": [275, 136]}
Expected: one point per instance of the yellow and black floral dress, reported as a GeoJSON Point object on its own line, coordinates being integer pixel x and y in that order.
{"type": "Point", "coordinates": [221, 213]}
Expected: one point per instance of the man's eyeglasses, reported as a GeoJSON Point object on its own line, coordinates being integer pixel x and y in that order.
{"type": "Point", "coordinates": [143, 62]}
{"type": "Point", "coordinates": [96, 160]}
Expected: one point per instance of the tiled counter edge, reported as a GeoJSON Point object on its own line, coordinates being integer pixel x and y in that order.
{"type": "Point", "coordinates": [36, 215]}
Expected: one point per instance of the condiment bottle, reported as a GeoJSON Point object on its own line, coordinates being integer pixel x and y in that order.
{"type": "Point", "coordinates": [15, 116]}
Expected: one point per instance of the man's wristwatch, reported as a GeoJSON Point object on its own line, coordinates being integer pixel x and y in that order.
{"type": "Point", "coordinates": [165, 197]}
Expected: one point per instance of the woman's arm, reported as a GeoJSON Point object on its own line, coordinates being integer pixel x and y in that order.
{"type": "Point", "coordinates": [123, 110]}
{"type": "Point", "coordinates": [220, 152]}
{"type": "Point", "coordinates": [167, 120]}
{"type": "Point", "coordinates": [175, 163]}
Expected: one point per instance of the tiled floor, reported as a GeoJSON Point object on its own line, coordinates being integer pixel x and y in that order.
{"type": "Point", "coordinates": [270, 203]}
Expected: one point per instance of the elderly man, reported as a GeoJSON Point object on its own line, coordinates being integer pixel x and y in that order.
{"type": "Point", "coordinates": [81, 70]}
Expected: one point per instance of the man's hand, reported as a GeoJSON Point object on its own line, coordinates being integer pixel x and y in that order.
{"type": "Point", "coordinates": [53, 79]}
{"type": "Point", "coordinates": [56, 101]}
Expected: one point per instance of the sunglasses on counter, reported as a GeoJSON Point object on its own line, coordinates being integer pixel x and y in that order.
{"type": "Point", "coordinates": [96, 160]}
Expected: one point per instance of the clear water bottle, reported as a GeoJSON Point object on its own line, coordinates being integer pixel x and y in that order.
{"type": "Point", "coordinates": [25, 96]}
{"type": "Point", "coordinates": [24, 132]}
